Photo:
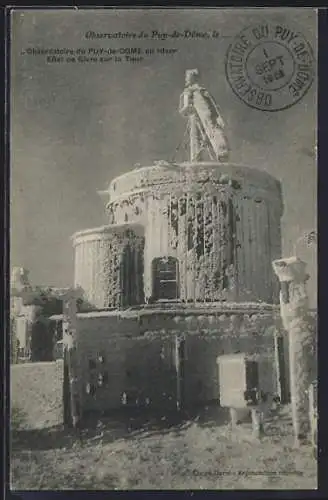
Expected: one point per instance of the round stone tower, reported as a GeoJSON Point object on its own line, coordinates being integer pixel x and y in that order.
{"type": "Point", "coordinates": [210, 229]}
{"type": "Point", "coordinates": [215, 227]}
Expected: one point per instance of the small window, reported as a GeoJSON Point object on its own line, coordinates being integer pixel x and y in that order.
{"type": "Point", "coordinates": [126, 218]}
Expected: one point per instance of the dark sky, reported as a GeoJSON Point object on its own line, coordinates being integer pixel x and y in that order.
{"type": "Point", "coordinates": [76, 126]}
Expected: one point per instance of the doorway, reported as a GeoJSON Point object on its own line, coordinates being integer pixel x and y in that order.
{"type": "Point", "coordinates": [165, 272]}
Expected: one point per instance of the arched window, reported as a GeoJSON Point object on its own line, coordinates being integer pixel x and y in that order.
{"type": "Point", "coordinates": [165, 278]}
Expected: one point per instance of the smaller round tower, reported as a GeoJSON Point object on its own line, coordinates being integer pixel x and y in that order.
{"type": "Point", "coordinates": [109, 265]}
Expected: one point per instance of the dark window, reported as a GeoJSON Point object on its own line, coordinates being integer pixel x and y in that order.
{"type": "Point", "coordinates": [165, 278]}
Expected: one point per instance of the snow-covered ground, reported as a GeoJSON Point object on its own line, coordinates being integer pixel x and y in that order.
{"type": "Point", "coordinates": [135, 453]}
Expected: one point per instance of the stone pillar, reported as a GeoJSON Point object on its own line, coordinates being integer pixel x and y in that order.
{"type": "Point", "coordinates": [194, 138]}
{"type": "Point", "coordinates": [296, 320]}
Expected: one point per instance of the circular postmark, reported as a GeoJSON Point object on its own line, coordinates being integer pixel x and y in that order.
{"type": "Point", "coordinates": [269, 66]}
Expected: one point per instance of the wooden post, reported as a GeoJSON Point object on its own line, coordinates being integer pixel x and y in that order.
{"type": "Point", "coordinates": [71, 385]}
{"type": "Point", "coordinates": [67, 414]}
{"type": "Point", "coordinates": [313, 414]}
{"type": "Point", "coordinates": [257, 422]}
{"type": "Point", "coordinates": [70, 341]}
{"type": "Point", "coordinates": [280, 367]}
{"type": "Point", "coordinates": [179, 364]}
{"type": "Point", "coordinates": [233, 417]}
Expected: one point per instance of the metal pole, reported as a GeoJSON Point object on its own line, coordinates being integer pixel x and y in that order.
{"type": "Point", "coordinates": [179, 364]}
{"type": "Point", "coordinates": [194, 138]}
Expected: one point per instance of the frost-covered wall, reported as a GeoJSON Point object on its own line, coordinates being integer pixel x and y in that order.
{"type": "Point", "coordinates": [109, 265]}
{"type": "Point", "coordinates": [133, 352]}
{"type": "Point", "coordinates": [221, 221]}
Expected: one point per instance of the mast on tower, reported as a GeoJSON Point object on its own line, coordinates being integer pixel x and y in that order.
{"type": "Point", "coordinates": [206, 126]}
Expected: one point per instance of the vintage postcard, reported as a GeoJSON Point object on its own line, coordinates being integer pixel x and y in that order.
{"type": "Point", "coordinates": [163, 249]}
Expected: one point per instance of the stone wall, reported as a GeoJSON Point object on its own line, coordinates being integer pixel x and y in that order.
{"type": "Point", "coordinates": [137, 349]}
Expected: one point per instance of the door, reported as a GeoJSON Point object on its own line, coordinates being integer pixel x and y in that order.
{"type": "Point", "coordinates": [165, 278]}
{"type": "Point", "coordinates": [150, 376]}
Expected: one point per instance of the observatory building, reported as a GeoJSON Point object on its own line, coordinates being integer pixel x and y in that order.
{"type": "Point", "coordinates": [181, 274]}
{"type": "Point", "coordinates": [193, 232]}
